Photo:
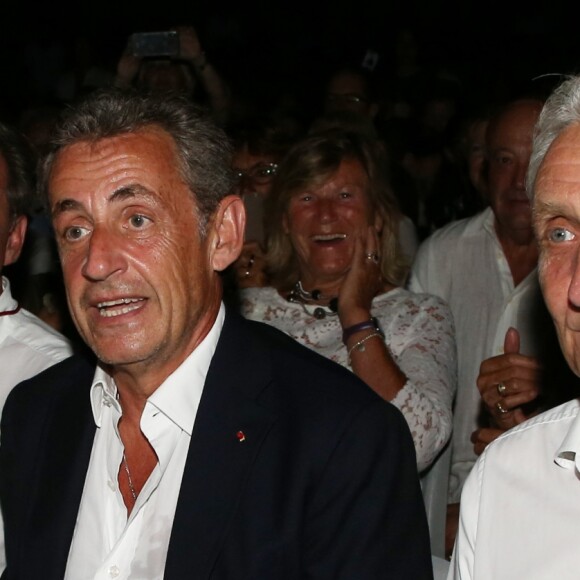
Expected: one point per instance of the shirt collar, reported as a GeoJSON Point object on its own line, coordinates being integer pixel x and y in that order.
{"type": "Point", "coordinates": [179, 395]}
{"type": "Point", "coordinates": [568, 454]}
{"type": "Point", "coordinates": [7, 302]}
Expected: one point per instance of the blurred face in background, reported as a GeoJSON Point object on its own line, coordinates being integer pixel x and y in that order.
{"type": "Point", "coordinates": [254, 171]}
{"type": "Point", "coordinates": [509, 146]}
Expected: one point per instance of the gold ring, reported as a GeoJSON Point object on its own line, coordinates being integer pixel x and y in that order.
{"type": "Point", "coordinates": [500, 408]}
{"type": "Point", "coordinates": [501, 389]}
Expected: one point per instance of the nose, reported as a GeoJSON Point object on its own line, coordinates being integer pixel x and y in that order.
{"type": "Point", "coordinates": [520, 174]}
{"type": "Point", "coordinates": [326, 210]}
{"type": "Point", "coordinates": [104, 256]}
{"type": "Point", "coordinates": [574, 288]}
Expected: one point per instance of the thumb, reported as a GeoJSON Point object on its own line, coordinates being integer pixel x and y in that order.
{"type": "Point", "coordinates": [511, 343]}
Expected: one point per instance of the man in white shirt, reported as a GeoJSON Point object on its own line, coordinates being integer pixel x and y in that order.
{"type": "Point", "coordinates": [203, 445]}
{"type": "Point", "coordinates": [485, 268]}
{"type": "Point", "coordinates": [519, 506]}
{"type": "Point", "coordinates": [27, 345]}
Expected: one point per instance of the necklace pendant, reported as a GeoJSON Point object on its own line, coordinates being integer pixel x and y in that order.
{"type": "Point", "coordinates": [319, 313]}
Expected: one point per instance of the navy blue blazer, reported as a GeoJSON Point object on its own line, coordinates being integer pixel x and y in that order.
{"type": "Point", "coordinates": [324, 486]}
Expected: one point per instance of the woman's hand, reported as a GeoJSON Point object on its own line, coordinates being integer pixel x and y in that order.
{"type": "Point", "coordinates": [250, 267]}
{"type": "Point", "coordinates": [363, 281]}
{"type": "Point", "coordinates": [127, 68]}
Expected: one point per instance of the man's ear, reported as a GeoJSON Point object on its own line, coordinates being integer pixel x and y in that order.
{"type": "Point", "coordinates": [15, 240]}
{"type": "Point", "coordinates": [228, 232]}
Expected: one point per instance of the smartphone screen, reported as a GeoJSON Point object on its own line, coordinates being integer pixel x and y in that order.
{"type": "Point", "coordinates": [144, 44]}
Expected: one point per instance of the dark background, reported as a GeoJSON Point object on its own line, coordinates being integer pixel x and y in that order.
{"type": "Point", "coordinates": [264, 48]}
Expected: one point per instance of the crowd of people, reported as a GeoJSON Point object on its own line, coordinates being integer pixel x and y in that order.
{"type": "Point", "coordinates": [413, 273]}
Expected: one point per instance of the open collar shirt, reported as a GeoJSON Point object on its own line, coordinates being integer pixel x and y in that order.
{"type": "Point", "coordinates": [27, 344]}
{"type": "Point", "coordinates": [106, 544]}
{"type": "Point", "coordinates": [464, 264]}
{"type": "Point", "coordinates": [520, 505]}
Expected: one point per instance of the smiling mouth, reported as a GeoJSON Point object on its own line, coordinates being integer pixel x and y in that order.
{"type": "Point", "coordinates": [328, 237]}
{"type": "Point", "coordinates": [113, 308]}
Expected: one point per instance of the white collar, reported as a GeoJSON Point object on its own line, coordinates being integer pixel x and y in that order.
{"type": "Point", "coordinates": [568, 454]}
{"type": "Point", "coordinates": [7, 302]}
{"type": "Point", "coordinates": [179, 395]}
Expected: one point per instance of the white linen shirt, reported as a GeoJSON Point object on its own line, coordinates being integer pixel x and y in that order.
{"type": "Point", "coordinates": [464, 264]}
{"type": "Point", "coordinates": [27, 344]}
{"type": "Point", "coordinates": [106, 545]}
{"type": "Point", "coordinates": [520, 505]}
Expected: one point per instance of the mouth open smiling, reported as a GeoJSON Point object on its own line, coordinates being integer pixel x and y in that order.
{"type": "Point", "coordinates": [326, 238]}
{"type": "Point", "coordinates": [108, 310]}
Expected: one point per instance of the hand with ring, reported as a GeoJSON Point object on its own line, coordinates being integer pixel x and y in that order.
{"type": "Point", "coordinates": [362, 282]}
{"type": "Point", "coordinates": [507, 382]}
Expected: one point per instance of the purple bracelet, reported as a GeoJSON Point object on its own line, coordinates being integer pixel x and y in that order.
{"type": "Point", "coordinates": [372, 323]}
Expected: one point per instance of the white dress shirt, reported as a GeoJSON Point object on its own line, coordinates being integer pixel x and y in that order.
{"type": "Point", "coordinates": [27, 344]}
{"type": "Point", "coordinates": [27, 347]}
{"type": "Point", "coordinates": [107, 545]}
{"type": "Point", "coordinates": [464, 264]}
{"type": "Point", "coordinates": [520, 505]}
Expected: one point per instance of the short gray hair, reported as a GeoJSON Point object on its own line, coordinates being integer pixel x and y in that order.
{"type": "Point", "coordinates": [561, 110]}
{"type": "Point", "coordinates": [203, 149]}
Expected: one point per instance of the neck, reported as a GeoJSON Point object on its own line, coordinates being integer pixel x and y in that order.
{"type": "Point", "coordinates": [521, 253]}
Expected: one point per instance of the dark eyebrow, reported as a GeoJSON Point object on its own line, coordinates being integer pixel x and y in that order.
{"type": "Point", "coordinates": [121, 194]}
{"type": "Point", "coordinates": [130, 191]}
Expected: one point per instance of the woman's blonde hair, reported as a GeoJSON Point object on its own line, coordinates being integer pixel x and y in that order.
{"type": "Point", "coordinates": [310, 163]}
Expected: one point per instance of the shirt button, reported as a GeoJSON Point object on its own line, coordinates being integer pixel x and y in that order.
{"type": "Point", "coordinates": [112, 484]}
{"type": "Point", "coordinates": [114, 571]}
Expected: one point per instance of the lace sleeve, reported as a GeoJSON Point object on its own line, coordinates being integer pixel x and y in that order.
{"type": "Point", "coordinates": [421, 337]}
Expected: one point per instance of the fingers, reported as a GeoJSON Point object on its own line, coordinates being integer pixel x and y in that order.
{"type": "Point", "coordinates": [483, 437]}
{"type": "Point", "coordinates": [362, 281]}
{"type": "Point", "coordinates": [507, 382]}
{"type": "Point", "coordinates": [511, 343]}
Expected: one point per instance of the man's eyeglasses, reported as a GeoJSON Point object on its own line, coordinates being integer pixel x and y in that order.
{"type": "Point", "coordinates": [261, 173]}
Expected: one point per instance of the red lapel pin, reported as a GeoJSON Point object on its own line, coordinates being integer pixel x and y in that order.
{"type": "Point", "coordinates": [241, 437]}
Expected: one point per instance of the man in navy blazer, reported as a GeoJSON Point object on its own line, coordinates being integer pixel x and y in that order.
{"type": "Point", "coordinates": [194, 444]}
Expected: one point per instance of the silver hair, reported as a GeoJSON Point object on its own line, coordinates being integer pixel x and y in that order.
{"type": "Point", "coordinates": [561, 110]}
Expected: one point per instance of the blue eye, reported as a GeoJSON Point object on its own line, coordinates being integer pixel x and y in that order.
{"type": "Point", "coordinates": [558, 235]}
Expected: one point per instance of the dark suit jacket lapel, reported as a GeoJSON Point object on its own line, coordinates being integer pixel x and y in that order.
{"type": "Point", "coordinates": [226, 437]}
{"type": "Point", "coordinates": [63, 461]}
